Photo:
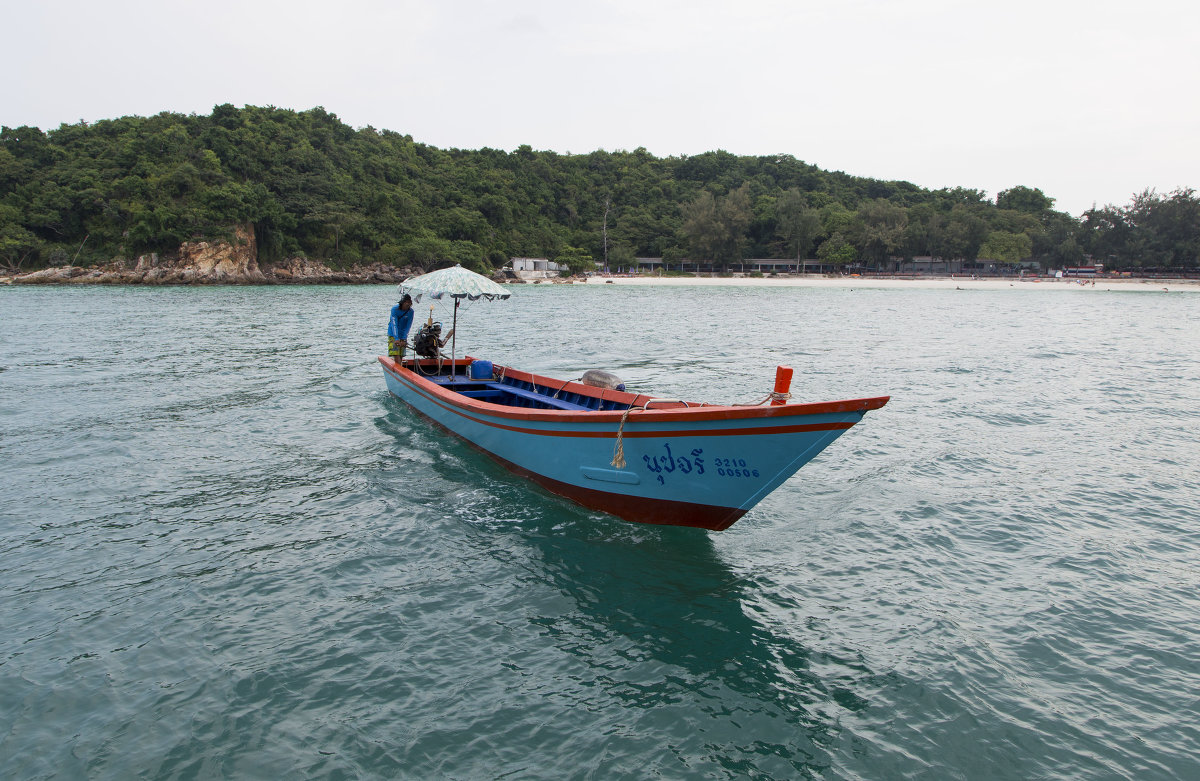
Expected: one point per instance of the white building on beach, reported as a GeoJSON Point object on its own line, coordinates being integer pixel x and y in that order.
{"type": "Point", "coordinates": [534, 268]}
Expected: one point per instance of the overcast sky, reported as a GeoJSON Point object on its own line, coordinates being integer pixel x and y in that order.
{"type": "Point", "coordinates": [1089, 101]}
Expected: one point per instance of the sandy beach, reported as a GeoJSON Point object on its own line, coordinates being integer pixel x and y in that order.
{"type": "Point", "coordinates": [943, 283]}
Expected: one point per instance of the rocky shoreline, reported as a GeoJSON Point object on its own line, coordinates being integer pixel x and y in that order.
{"type": "Point", "coordinates": [212, 263]}
{"type": "Point", "coordinates": [290, 271]}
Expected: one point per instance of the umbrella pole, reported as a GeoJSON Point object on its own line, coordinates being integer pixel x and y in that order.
{"type": "Point", "coordinates": [454, 343]}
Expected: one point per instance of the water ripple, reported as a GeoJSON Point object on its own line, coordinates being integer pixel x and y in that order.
{"type": "Point", "coordinates": [239, 557]}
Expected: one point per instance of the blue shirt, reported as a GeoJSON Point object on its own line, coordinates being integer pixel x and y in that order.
{"type": "Point", "coordinates": [400, 322]}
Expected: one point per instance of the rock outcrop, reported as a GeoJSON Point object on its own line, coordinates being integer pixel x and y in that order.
{"type": "Point", "coordinates": [214, 263]}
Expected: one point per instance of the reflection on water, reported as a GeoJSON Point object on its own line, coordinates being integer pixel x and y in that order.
{"type": "Point", "coordinates": [660, 625]}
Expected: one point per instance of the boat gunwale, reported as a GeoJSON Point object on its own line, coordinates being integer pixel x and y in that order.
{"type": "Point", "coordinates": [680, 414]}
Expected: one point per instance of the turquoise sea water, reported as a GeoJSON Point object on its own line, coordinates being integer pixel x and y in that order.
{"type": "Point", "coordinates": [225, 551]}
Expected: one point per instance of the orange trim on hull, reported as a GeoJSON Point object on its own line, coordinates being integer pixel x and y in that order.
{"type": "Point", "coordinates": [633, 434]}
{"type": "Point", "coordinates": [705, 413]}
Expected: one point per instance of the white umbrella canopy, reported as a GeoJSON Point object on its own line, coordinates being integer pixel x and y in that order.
{"type": "Point", "coordinates": [457, 283]}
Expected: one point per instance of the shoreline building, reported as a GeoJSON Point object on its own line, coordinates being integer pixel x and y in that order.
{"type": "Point", "coordinates": [534, 268]}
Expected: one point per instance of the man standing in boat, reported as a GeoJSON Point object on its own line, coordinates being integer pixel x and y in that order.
{"type": "Point", "coordinates": [398, 327]}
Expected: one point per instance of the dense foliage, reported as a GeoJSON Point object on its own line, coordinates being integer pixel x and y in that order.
{"type": "Point", "coordinates": [315, 187]}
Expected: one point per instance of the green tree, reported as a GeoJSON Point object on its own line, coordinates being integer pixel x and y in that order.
{"type": "Point", "coordinates": [960, 235]}
{"type": "Point", "coordinates": [877, 229]}
{"type": "Point", "coordinates": [1006, 247]}
{"type": "Point", "coordinates": [701, 229]}
{"type": "Point", "coordinates": [1068, 253]}
{"type": "Point", "coordinates": [923, 223]}
{"type": "Point", "coordinates": [1108, 236]}
{"type": "Point", "coordinates": [576, 261]}
{"type": "Point", "coordinates": [736, 215]}
{"type": "Point", "coordinates": [17, 245]}
{"type": "Point", "coordinates": [1024, 199]}
{"type": "Point", "coordinates": [621, 256]}
{"type": "Point", "coordinates": [835, 218]}
{"type": "Point", "coordinates": [799, 225]}
{"type": "Point", "coordinates": [1167, 228]}
{"type": "Point", "coordinates": [715, 229]}
{"type": "Point", "coordinates": [837, 250]}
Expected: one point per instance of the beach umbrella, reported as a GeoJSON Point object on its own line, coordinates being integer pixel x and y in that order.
{"type": "Point", "coordinates": [455, 282]}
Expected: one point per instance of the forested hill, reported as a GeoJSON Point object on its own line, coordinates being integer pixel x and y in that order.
{"type": "Point", "coordinates": [313, 186]}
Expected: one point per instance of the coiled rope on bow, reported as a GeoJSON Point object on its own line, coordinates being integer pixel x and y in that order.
{"type": "Point", "coordinates": [772, 396]}
{"type": "Point", "coordinates": [618, 459]}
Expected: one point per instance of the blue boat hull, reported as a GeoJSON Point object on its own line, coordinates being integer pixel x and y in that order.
{"type": "Point", "coordinates": [686, 465]}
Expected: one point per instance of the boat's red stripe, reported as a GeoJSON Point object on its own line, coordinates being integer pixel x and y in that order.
{"type": "Point", "coordinates": [631, 433]}
{"type": "Point", "coordinates": [641, 509]}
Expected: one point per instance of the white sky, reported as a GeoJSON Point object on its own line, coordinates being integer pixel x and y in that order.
{"type": "Point", "coordinates": [1092, 101]}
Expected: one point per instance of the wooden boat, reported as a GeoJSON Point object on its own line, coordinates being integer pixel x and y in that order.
{"type": "Point", "coordinates": [641, 458]}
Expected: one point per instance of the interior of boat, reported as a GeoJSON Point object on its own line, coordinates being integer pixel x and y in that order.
{"type": "Point", "coordinates": [480, 380]}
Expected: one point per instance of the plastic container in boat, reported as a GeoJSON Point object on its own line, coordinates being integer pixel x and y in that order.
{"type": "Point", "coordinates": [481, 370]}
